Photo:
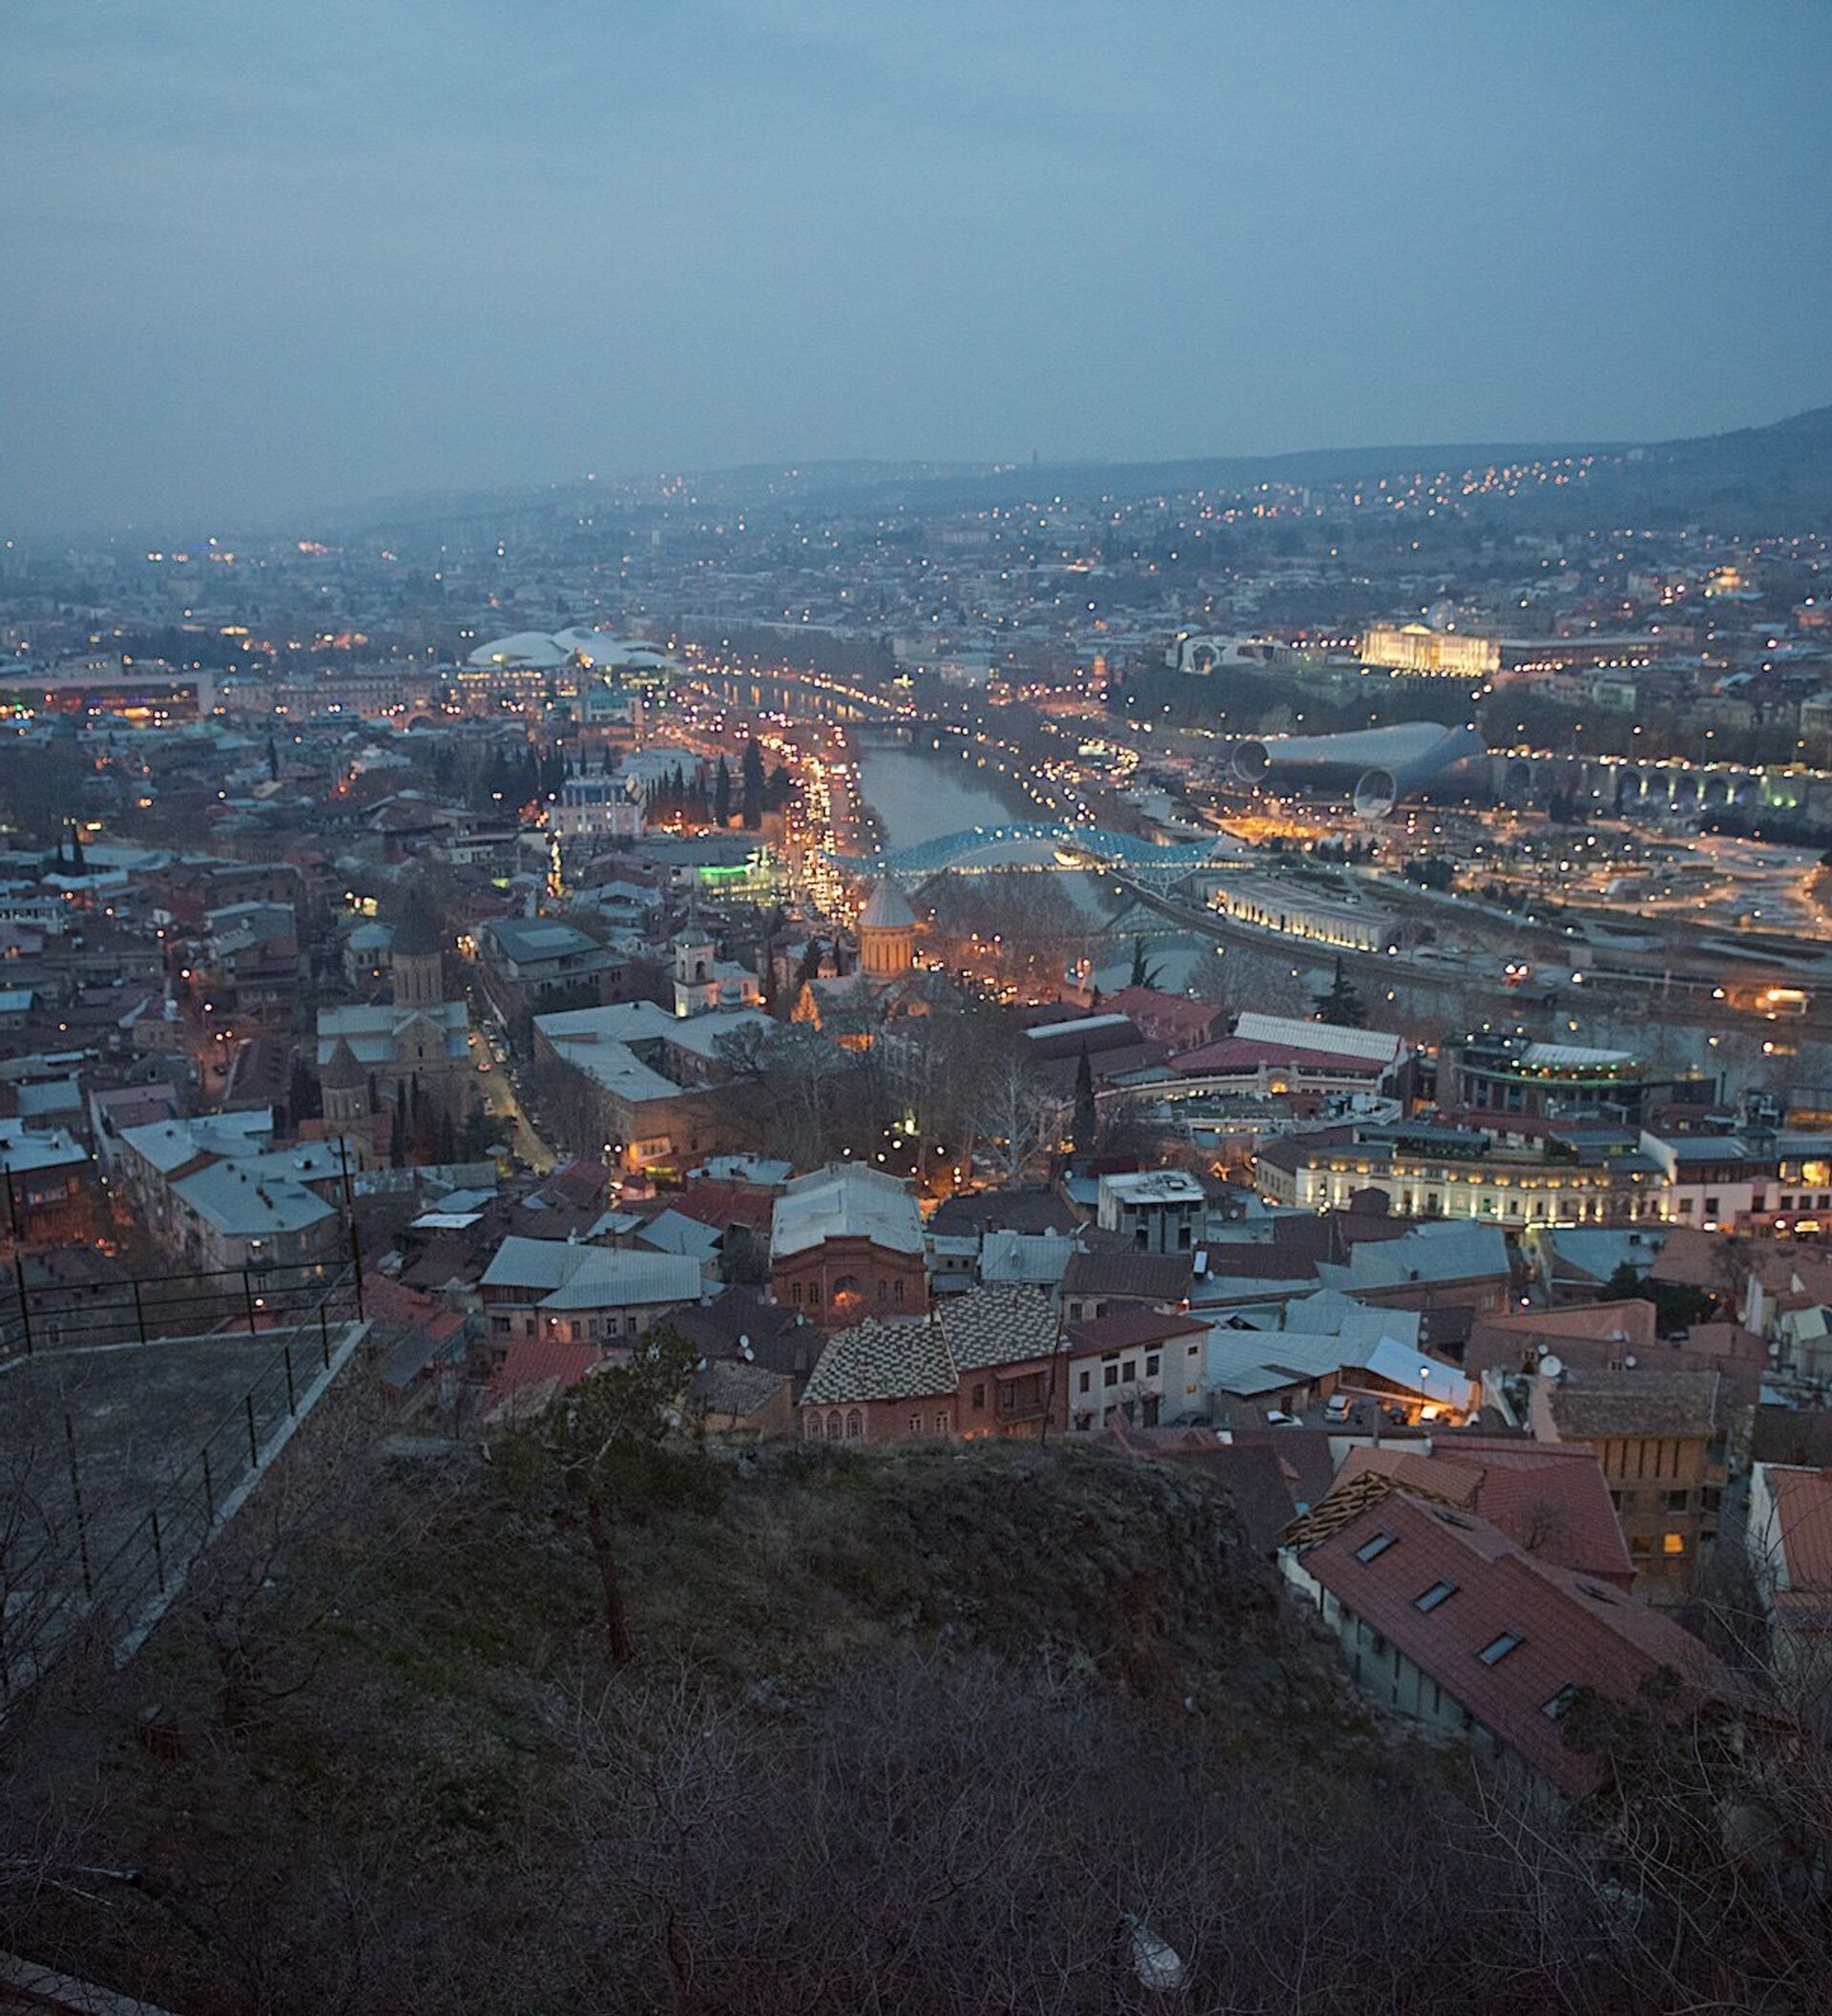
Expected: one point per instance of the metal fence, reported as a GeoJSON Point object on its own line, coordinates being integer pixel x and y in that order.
{"type": "Point", "coordinates": [62, 1316]}
{"type": "Point", "coordinates": [67, 1561]}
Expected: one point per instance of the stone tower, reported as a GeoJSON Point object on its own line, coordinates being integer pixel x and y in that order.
{"type": "Point", "coordinates": [696, 980]}
{"type": "Point", "coordinates": [416, 959]}
{"type": "Point", "coordinates": [345, 1086]}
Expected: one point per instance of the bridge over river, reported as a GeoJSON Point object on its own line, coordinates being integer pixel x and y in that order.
{"type": "Point", "coordinates": [1030, 844]}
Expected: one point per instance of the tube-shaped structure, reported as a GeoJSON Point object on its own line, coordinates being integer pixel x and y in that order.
{"type": "Point", "coordinates": [1378, 766]}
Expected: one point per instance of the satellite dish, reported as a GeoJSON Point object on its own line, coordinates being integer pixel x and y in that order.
{"type": "Point", "coordinates": [1551, 1367]}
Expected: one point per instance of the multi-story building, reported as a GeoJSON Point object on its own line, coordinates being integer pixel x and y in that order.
{"type": "Point", "coordinates": [1659, 1438]}
{"type": "Point", "coordinates": [1456, 1173]}
{"type": "Point", "coordinates": [1156, 1209]}
{"type": "Point", "coordinates": [1414, 648]}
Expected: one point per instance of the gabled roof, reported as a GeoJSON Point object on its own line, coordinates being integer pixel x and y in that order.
{"type": "Point", "coordinates": [560, 1275]}
{"type": "Point", "coordinates": [875, 1361]}
{"type": "Point", "coordinates": [1130, 1327]}
{"type": "Point", "coordinates": [1142, 1277]}
{"type": "Point", "coordinates": [1569, 1630]}
{"type": "Point", "coordinates": [1552, 1501]}
{"type": "Point", "coordinates": [841, 1201]}
{"type": "Point", "coordinates": [997, 1327]}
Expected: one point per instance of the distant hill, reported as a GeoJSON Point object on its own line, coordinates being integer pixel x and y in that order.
{"type": "Point", "coordinates": [1776, 477]}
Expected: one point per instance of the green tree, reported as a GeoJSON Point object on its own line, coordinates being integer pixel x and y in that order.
{"type": "Point", "coordinates": [609, 1448]}
{"type": "Point", "coordinates": [1144, 975]}
{"type": "Point", "coordinates": [1085, 1126]}
{"type": "Point", "coordinates": [1341, 1002]}
{"type": "Point", "coordinates": [752, 773]}
{"type": "Point", "coordinates": [722, 793]}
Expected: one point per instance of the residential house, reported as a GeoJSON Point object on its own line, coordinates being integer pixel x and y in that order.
{"type": "Point", "coordinates": [986, 1364]}
{"type": "Point", "coordinates": [1442, 1618]}
{"type": "Point", "coordinates": [1659, 1437]}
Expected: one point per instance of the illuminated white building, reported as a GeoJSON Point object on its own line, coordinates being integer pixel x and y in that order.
{"type": "Point", "coordinates": [1413, 648]}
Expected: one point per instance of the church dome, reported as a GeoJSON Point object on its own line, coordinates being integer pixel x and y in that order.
{"type": "Point", "coordinates": [887, 910]}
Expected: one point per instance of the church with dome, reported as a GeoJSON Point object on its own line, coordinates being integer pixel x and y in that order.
{"type": "Point", "coordinates": [886, 983]}
{"type": "Point", "coordinates": [418, 1041]}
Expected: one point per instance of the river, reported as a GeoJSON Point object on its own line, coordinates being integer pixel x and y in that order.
{"type": "Point", "coordinates": [921, 795]}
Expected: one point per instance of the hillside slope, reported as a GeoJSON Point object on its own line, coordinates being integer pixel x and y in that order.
{"type": "Point", "coordinates": [914, 1718]}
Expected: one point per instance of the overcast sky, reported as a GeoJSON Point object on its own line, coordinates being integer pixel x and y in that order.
{"type": "Point", "coordinates": [256, 257]}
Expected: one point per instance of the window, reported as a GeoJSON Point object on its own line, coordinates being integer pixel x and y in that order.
{"type": "Point", "coordinates": [915, 1424]}
{"type": "Point", "coordinates": [1151, 1364]}
{"type": "Point", "coordinates": [979, 1396]}
{"type": "Point", "coordinates": [1130, 1370]}
{"type": "Point", "coordinates": [1497, 1649]}
{"type": "Point", "coordinates": [795, 1292]}
{"type": "Point", "coordinates": [1640, 1546]}
{"type": "Point", "coordinates": [814, 1293]}
{"type": "Point", "coordinates": [500, 1325]}
{"type": "Point", "coordinates": [1373, 1549]}
{"type": "Point", "coordinates": [577, 1331]}
{"type": "Point", "coordinates": [833, 1428]}
{"type": "Point", "coordinates": [941, 1424]}
{"type": "Point", "coordinates": [1679, 1501]}
{"type": "Point", "coordinates": [1437, 1594]}
{"type": "Point", "coordinates": [897, 1291]}
{"type": "Point", "coordinates": [884, 1289]}
{"type": "Point", "coordinates": [855, 1425]}
{"type": "Point", "coordinates": [630, 1324]}
{"type": "Point", "coordinates": [1560, 1702]}
{"type": "Point", "coordinates": [1083, 1382]}
{"type": "Point", "coordinates": [1110, 1375]}
{"type": "Point", "coordinates": [1672, 1544]}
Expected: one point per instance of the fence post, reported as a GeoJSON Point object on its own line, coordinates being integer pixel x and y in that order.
{"type": "Point", "coordinates": [76, 1501]}
{"type": "Point", "coordinates": [292, 1404]}
{"type": "Point", "coordinates": [158, 1548]}
{"type": "Point", "coordinates": [140, 1310]}
{"type": "Point", "coordinates": [19, 1279]}
{"type": "Point", "coordinates": [254, 1448]}
{"type": "Point", "coordinates": [248, 1297]}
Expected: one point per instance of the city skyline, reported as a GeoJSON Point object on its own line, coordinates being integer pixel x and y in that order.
{"type": "Point", "coordinates": [282, 266]}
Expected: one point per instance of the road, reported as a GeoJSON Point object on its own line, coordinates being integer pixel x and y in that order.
{"type": "Point", "coordinates": [501, 1099]}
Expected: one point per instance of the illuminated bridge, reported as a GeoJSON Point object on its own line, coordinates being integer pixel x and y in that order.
{"type": "Point", "coordinates": [1035, 846]}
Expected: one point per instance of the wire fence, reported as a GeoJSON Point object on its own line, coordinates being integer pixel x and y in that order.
{"type": "Point", "coordinates": [77, 1548]}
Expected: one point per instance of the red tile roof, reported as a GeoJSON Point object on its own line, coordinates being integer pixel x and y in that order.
{"type": "Point", "coordinates": [1132, 1325]}
{"type": "Point", "coordinates": [535, 1370]}
{"type": "Point", "coordinates": [1572, 1630]}
{"type": "Point", "coordinates": [1804, 1523]}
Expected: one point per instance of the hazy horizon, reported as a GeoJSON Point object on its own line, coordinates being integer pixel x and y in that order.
{"type": "Point", "coordinates": [260, 265]}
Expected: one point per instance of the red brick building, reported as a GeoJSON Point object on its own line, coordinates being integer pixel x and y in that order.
{"type": "Point", "coordinates": [845, 1244]}
{"type": "Point", "coordinates": [982, 1364]}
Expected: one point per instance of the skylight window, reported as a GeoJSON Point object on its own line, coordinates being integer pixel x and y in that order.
{"type": "Point", "coordinates": [1497, 1649]}
{"type": "Point", "coordinates": [1560, 1702]}
{"type": "Point", "coordinates": [1437, 1594]}
{"type": "Point", "coordinates": [1372, 1549]}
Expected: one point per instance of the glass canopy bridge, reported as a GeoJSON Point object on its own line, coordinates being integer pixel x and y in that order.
{"type": "Point", "coordinates": [976, 849]}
